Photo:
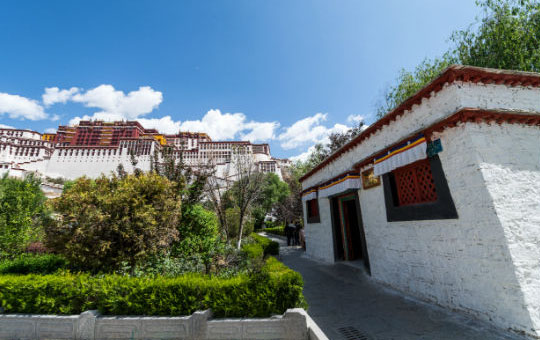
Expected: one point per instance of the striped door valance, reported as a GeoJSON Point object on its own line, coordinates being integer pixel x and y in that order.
{"type": "Point", "coordinates": [401, 155]}
{"type": "Point", "coordinates": [347, 182]}
{"type": "Point", "coordinates": [309, 195]}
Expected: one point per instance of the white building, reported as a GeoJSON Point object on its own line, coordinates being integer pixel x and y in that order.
{"type": "Point", "coordinates": [96, 148]}
{"type": "Point", "coordinates": [454, 217]}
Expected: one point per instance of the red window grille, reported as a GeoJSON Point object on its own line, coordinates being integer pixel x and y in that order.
{"type": "Point", "coordinates": [415, 184]}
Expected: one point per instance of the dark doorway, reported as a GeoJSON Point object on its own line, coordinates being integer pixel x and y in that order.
{"type": "Point", "coordinates": [349, 238]}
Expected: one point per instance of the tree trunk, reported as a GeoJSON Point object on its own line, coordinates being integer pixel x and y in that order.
{"type": "Point", "coordinates": [240, 231]}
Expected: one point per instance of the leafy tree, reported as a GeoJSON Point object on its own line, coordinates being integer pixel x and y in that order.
{"type": "Point", "coordinates": [273, 192]}
{"type": "Point", "coordinates": [197, 232]}
{"type": "Point", "coordinates": [233, 224]}
{"type": "Point", "coordinates": [290, 208]}
{"type": "Point", "coordinates": [507, 36]}
{"type": "Point", "coordinates": [22, 213]}
{"type": "Point", "coordinates": [101, 223]}
{"type": "Point", "coordinates": [408, 83]}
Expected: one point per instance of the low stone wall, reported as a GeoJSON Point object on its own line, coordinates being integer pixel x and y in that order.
{"type": "Point", "coordinates": [295, 324]}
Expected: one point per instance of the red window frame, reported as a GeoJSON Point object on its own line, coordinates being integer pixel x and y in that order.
{"type": "Point", "coordinates": [415, 184]}
{"type": "Point", "coordinates": [312, 209]}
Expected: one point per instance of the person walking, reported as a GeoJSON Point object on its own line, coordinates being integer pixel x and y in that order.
{"type": "Point", "coordinates": [297, 228]}
{"type": "Point", "coordinates": [289, 232]}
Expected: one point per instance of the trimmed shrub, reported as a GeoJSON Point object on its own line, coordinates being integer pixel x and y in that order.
{"type": "Point", "coordinates": [276, 230]}
{"type": "Point", "coordinates": [33, 264]}
{"type": "Point", "coordinates": [253, 250]}
{"type": "Point", "coordinates": [270, 291]}
{"type": "Point", "coordinates": [269, 247]}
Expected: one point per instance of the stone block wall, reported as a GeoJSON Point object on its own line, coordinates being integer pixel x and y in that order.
{"type": "Point", "coordinates": [295, 324]}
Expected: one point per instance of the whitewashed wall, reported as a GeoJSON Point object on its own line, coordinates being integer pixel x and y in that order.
{"type": "Point", "coordinates": [462, 263]}
{"type": "Point", "coordinates": [486, 262]}
{"type": "Point", "coordinates": [319, 239]}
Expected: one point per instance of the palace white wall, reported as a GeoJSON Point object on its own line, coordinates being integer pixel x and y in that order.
{"type": "Point", "coordinates": [71, 167]}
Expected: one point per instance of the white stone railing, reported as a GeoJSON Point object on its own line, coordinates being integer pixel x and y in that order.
{"type": "Point", "coordinates": [295, 324]}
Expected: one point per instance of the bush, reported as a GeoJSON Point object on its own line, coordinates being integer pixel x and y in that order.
{"type": "Point", "coordinates": [22, 213]}
{"type": "Point", "coordinates": [276, 230]}
{"type": "Point", "coordinates": [269, 247]}
{"type": "Point", "coordinates": [197, 232]}
{"type": "Point", "coordinates": [253, 251]}
{"type": "Point", "coordinates": [102, 223]}
{"type": "Point", "coordinates": [270, 291]}
{"type": "Point", "coordinates": [33, 264]}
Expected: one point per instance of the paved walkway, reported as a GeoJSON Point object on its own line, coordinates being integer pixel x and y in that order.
{"type": "Point", "coordinates": [344, 301]}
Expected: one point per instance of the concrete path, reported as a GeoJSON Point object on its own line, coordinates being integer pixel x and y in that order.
{"type": "Point", "coordinates": [347, 305]}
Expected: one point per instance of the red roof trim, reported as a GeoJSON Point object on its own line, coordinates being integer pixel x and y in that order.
{"type": "Point", "coordinates": [451, 74]}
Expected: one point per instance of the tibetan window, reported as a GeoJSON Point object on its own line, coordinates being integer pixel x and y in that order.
{"type": "Point", "coordinates": [312, 209]}
{"type": "Point", "coordinates": [414, 183]}
{"type": "Point", "coordinates": [418, 191]}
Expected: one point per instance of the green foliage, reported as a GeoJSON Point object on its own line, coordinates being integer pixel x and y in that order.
{"type": "Point", "coordinates": [269, 247]}
{"type": "Point", "coordinates": [22, 213]}
{"type": "Point", "coordinates": [197, 231]}
{"type": "Point", "coordinates": [408, 83]}
{"type": "Point", "coordinates": [67, 185]}
{"type": "Point", "coordinates": [33, 264]}
{"type": "Point", "coordinates": [104, 222]}
{"type": "Point", "coordinates": [233, 224]}
{"type": "Point", "coordinates": [273, 192]}
{"type": "Point", "coordinates": [276, 230]}
{"type": "Point", "coordinates": [253, 251]}
{"type": "Point", "coordinates": [270, 291]}
{"type": "Point", "coordinates": [507, 36]}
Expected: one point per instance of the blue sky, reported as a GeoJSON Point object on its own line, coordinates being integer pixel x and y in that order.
{"type": "Point", "coordinates": [284, 72]}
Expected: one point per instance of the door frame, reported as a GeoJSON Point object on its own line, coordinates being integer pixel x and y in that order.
{"type": "Point", "coordinates": [337, 221]}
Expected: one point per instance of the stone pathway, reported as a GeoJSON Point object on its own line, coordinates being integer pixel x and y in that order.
{"type": "Point", "coordinates": [347, 305]}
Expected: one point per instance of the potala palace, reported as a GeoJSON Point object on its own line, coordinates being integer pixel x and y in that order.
{"type": "Point", "coordinates": [92, 148]}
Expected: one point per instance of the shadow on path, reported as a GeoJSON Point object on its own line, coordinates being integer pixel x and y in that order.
{"type": "Point", "coordinates": [343, 300]}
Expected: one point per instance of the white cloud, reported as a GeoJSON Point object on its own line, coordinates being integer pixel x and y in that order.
{"type": "Point", "coordinates": [116, 105]}
{"type": "Point", "coordinates": [50, 130]}
{"type": "Point", "coordinates": [3, 126]}
{"type": "Point", "coordinates": [308, 130]}
{"type": "Point", "coordinates": [111, 101]}
{"type": "Point", "coordinates": [260, 131]}
{"type": "Point", "coordinates": [164, 124]}
{"type": "Point", "coordinates": [219, 126]}
{"type": "Point", "coordinates": [355, 119]}
{"type": "Point", "coordinates": [231, 125]}
{"type": "Point", "coordinates": [20, 107]}
{"type": "Point", "coordinates": [54, 95]}
{"type": "Point", "coordinates": [304, 155]}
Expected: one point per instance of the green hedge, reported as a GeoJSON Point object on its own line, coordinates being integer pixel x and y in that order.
{"type": "Point", "coordinates": [35, 264]}
{"type": "Point", "coordinates": [269, 247]}
{"type": "Point", "coordinates": [276, 230]}
{"type": "Point", "coordinates": [271, 291]}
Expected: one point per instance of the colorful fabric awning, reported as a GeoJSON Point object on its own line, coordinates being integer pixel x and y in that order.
{"type": "Point", "coordinates": [309, 195]}
{"type": "Point", "coordinates": [349, 181]}
{"type": "Point", "coordinates": [406, 153]}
